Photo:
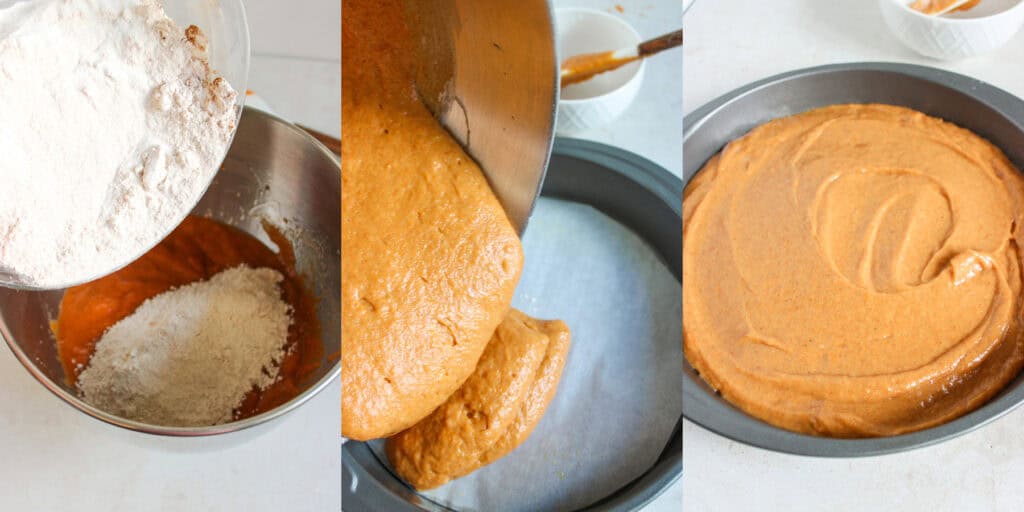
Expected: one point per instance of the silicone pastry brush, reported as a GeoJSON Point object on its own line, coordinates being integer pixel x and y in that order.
{"type": "Point", "coordinates": [579, 68]}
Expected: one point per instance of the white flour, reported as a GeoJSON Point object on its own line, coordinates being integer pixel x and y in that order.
{"type": "Point", "coordinates": [111, 127]}
{"type": "Point", "coordinates": [187, 357]}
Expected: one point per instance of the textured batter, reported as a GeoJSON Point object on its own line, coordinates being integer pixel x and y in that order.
{"type": "Point", "coordinates": [855, 271]}
{"type": "Point", "coordinates": [493, 412]}
{"type": "Point", "coordinates": [430, 258]}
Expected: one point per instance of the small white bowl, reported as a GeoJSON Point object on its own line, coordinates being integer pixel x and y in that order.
{"type": "Point", "coordinates": [600, 100]}
{"type": "Point", "coordinates": [958, 35]}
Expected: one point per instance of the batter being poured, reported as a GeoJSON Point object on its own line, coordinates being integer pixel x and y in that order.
{"type": "Point", "coordinates": [430, 259]}
{"type": "Point", "coordinates": [433, 355]}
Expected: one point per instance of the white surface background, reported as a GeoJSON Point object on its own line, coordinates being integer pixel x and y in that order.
{"type": "Point", "coordinates": [55, 458]}
{"type": "Point", "coordinates": [652, 126]}
{"type": "Point", "coordinates": [730, 43]}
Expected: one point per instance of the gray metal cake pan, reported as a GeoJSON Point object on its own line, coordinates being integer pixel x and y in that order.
{"type": "Point", "coordinates": [986, 110]}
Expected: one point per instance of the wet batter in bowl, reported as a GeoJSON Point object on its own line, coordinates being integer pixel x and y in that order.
{"type": "Point", "coordinates": [197, 250]}
{"type": "Point", "coordinates": [855, 271]}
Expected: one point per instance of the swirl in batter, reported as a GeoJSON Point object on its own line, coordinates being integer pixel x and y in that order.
{"type": "Point", "coordinates": [855, 271]}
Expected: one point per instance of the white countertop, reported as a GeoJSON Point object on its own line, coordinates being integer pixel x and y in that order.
{"type": "Point", "coordinates": [730, 43]}
{"type": "Point", "coordinates": [296, 62]}
{"type": "Point", "coordinates": [652, 126]}
{"type": "Point", "coordinates": [55, 458]}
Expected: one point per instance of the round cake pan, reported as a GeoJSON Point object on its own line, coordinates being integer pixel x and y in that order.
{"type": "Point", "coordinates": [986, 110]}
{"type": "Point", "coordinates": [643, 197]}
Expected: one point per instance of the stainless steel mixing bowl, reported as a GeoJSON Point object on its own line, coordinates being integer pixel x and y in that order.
{"type": "Point", "coordinates": [273, 171]}
{"type": "Point", "coordinates": [990, 112]}
{"type": "Point", "coordinates": [491, 76]}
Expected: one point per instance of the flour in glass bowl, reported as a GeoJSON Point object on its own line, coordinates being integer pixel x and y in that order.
{"type": "Point", "coordinates": [112, 124]}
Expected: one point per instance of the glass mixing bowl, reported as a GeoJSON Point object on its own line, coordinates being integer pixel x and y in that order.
{"type": "Point", "coordinates": [227, 31]}
{"type": "Point", "coordinates": [226, 28]}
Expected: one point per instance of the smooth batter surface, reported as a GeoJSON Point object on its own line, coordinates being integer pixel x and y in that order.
{"type": "Point", "coordinates": [493, 412]}
{"type": "Point", "coordinates": [430, 259]}
{"type": "Point", "coordinates": [197, 250]}
{"type": "Point", "coordinates": [854, 271]}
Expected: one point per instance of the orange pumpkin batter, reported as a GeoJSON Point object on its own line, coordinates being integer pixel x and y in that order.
{"type": "Point", "coordinates": [430, 258]}
{"type": "Point", "coordinates": [854, 271]}
{"type": "Point", "coordinates": [195, 251]}
{"type": "Point", "coordinates": [493, 412]}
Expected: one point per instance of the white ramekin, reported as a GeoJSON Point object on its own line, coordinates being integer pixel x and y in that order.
{"type": "Point", "coordinates": [958, 36]}
{"type": "Point", "coordinates": [600, 100]}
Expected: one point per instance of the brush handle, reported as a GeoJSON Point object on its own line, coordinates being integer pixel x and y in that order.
{"type": "Point", "coordinates": [670, 40]}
